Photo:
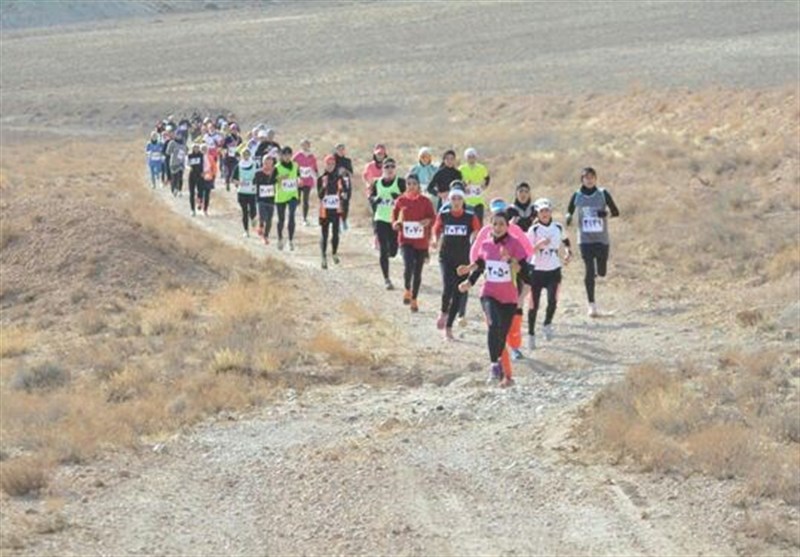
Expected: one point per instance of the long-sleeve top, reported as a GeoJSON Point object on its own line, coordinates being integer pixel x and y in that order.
{"type": "Point", "coordinates": [409, 211]}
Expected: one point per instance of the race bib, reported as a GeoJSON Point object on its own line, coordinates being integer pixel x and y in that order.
{"type": "Point", "coordinates": [156, 156]}
{"type": "Point", "coordinates": [413, 230]}
{"type": "Point", "coordinates": [498, 271]}
{"type": "Point", "coordinates": [330, 202]}
{"type": "Point", "coordinates": [266, 190]}
{"type": "Point", "coordinates": [387, 202]}
{"type": "Point", "coordinates": [455, 230]}
{"type": "Point", "coordinates": [247, 187]}
{"type": "Point", "coordinates": [306, 172]}
{"type": "Point", "coordinates": [474, 190]}
{"type": "Point", "coordinates": [232, 152]}
{"type": "Point", "coordinates": [289, 185]}
{"type": "Point", "coordinates": [590, 222]}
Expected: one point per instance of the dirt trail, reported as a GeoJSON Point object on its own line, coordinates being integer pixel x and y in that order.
{"type": "Point", "coordinates": [454, 469]}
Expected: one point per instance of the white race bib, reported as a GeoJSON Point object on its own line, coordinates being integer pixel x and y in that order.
{"type": "Point", "coordinates": [306, 172]}
{"type": "Point", "coordinates": [289, 185]}
{"type": "Point", "coordinates": [413, 230]}
{"type": "Point", "coordinates": [590, 222]}
{"type": "Point", "coordinates": [330, 202]}
{"type": "Point", "coordinates": [232, 152]}
{"type": "Point", "coordinates": [156, 156]}
{"type": "Point", "coordinates": [455, 230]}
{"type": "Point", "coordinates": [387, 202]}
{"type": "Point", "coordinates": [247, 187]}
{"type": "Point", "coordinates": [266, 190]}
{"type": "Point", "coordinates": [474, 190]}
{"type": "Point", "coordinates": [498, 271]}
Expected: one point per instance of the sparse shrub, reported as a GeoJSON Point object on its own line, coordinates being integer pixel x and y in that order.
{"type": "Point", "coordinates": [749, 317]}
{"type": "Point", "coordinates": [23, 476]}
{"type": "Point", "coordinates": [337, 351]}
{"type": "Point", "coordinates": [91, 322]}
{"type": "Point", "coordinates": [168, 312]}
{"type": "Point", "coordinates": [15, 341]}
{"type": "Point", "coordinates": [43, 377]}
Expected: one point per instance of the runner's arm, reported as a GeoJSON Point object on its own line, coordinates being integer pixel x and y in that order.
{"type": "Point", "coordinates": [571, 208]}
{"type": "Point", "coordinates": [611, 205]}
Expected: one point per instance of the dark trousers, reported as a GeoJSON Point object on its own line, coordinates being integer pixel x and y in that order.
{"type": "Point", "coordinates": [387, 241]}
{"type": "Point", "coordinates": [247, 203]}
{"type": "Point", "coordinates": [291, 205]}
{"type": "Point", "coordinates": [413, 261]}
{"type": "Point", "coordinates": [498, 317]}
{"type": "Point", "coordinates": [595, 260]}
{"type": "Point", "coordinates": [451, 296]}
{"type": "Point", "coordinates": [265, 211]}
{"type": "Point", "coordinates": [330, 229]}
{"type": "Point", "coordinates": [543, 280]}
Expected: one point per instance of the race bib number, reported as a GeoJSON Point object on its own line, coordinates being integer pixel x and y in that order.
{"type": "Point", "coordinates": [413, 230]}
{"type": "Point", "coordinates": [156, 156]}
{"type": "Point", "coordinates": [247, 187]}
{"type": "Point", "coordinates": [232, 152]}
{"type": "Point", "coordinates": [387, 202]}
{"type": "Point", "coordinates": [180, 156]}
{"type": "Point", "coordinates": [289, 185]}
{"type": "Point", "coordinates": [330, 202]}
{"type": "Point", "coordinates": [498, 271]}
{"type": "Point", "coordinates": [306, 172]}
{"type": "Point", "coordinates": [455, 230]}
{"type": "Point", "coordinates": [474, 190]}
{"type": "Point", "coordinates": [590, 222]}
{"type": "Point", "coordinates": [266, 190]}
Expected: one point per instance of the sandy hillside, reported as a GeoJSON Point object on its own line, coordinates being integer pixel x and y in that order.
{"type": "Point", "coordinates": [170, 388]}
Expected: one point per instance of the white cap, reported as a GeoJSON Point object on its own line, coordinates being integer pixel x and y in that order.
{"type": "Point", "coordinates": [457, 192]}
{"type": "Point", "coordinates": [470, 152]}
{"type": "Point", "coordinates": [424, 151]}
{"type": "Point", "coordinates": [542, 203]}
{"type": "Point", "coordinates": [262, 134]}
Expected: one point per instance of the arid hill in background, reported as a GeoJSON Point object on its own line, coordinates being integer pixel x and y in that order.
{"type": "Point", "coordinates": [214, 396]}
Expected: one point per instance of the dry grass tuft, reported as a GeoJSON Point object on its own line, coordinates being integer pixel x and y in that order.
{"type": "Point", "coordinates": [231, 361]}
{"type": "Point", "coordinates": [739, 421]}
{"type": "Point", "coordinates": [15, 341]}
{"type": "Point", "coordinates": [749, 317]}
{"type": "Point", "coordinates": [337, 350]}
{"type": "Point", "coordinates": [24, 476]}
{"type": "Point", "coordinates": [168, 312]}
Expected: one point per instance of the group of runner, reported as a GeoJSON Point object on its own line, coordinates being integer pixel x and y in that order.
{"type": "Point", "coordinates": [519, 252]}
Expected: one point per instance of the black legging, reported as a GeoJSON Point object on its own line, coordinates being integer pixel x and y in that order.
{"type": "Point", "coordinates": [248, 204]}
{"type": "Point", "coordinates": [550, 281]}
{"type": "Point", "coordinates": [451, 296]}
{"type": "Point", "coordinates": [177, 180]}
{"type": "Point", "coordinates": [305, 193]}
{"type": "Point", "coordinates": [195, 187]}
{"type": "Point", "coordinates": [205, 194]}
{"type": "Point", "coordinates": [230, 167]}
{"type": "Point", "coordinates": [330, 228]}
{"type": "Point", "coordinates": [413, 260]}
{"type": "Point", "coordinates": [595, 260]}
{"type": "Point", "coordinates": [498, 317]}
{"type": "Point", "coordinates": [292, 205]}
{"type": "Point", "coordinates": [345, 210]}
{"type": "Point", "coordinates": [387, 240]}
{"type": "Point", "coordinates": [265, 212]}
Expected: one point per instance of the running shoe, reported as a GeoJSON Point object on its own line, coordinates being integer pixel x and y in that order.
{"type": "Point", "coordinates": [389, 285]}
{"type": "Point", "coordinates": [245, 234]}
{"type": "Point", "coordinates": [516, 354]}
{"type": "Point", "coordinates": [531, 342]}
{"type": "Point", "coordinates": [506, 382]}
{"type": "Point", "coordinates": [448, 334]}
{"type": "Point", "coordinates": [291, 245]}
{"type": "Point", "coordinates": [495, 373]}
{"type": "Point", "coordinates": [548, 332]}
{"type": "Point", "coordinates": [266, 240]}
{"type": "Point", "coordinates": [324, 262]}
{"type": "Point", "coordinates": [194, 213]}
{"type": "Point", "coordinates": [406, 297]}
{"type": "Point", "coordinates": [336, 259]}
{"type": "Point", "coordinates": [305, 222]}
{"type": "Point", "coordinates": [462, 321]}
{"type": "Point", "coordinates": [442, 321]}
{"type": "Point", "coordinates": [280, 244]}
{"type": "Point", "coordinates": [592, 311]}
{"type": "Point", "coordinates": [414, 306]}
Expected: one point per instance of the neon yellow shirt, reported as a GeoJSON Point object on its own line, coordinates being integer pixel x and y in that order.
{"type": "Point", "coordinates": [474, 177]}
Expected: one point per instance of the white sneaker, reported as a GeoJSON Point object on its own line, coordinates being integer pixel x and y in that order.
{"type": "Point", "coordinates": [245, 234]}
{"type": "Point", "coordinates": [516, 354]}
{"type": "Point", "coordinates": [592, 312]}
{"type": "Point", "coordinates": [531, 342]}
{"type": "Point", "coordinates": [548, 332]}
{"type": "Point", "coordinates": [291, 245]}
{"type": "Point", "coordinates": [280, 244]}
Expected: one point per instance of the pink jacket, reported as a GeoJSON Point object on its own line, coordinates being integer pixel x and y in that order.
{"type": "Point", "coordinates": [308, 168]}
{"type": "Point", "coordinates": [498, 279]}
